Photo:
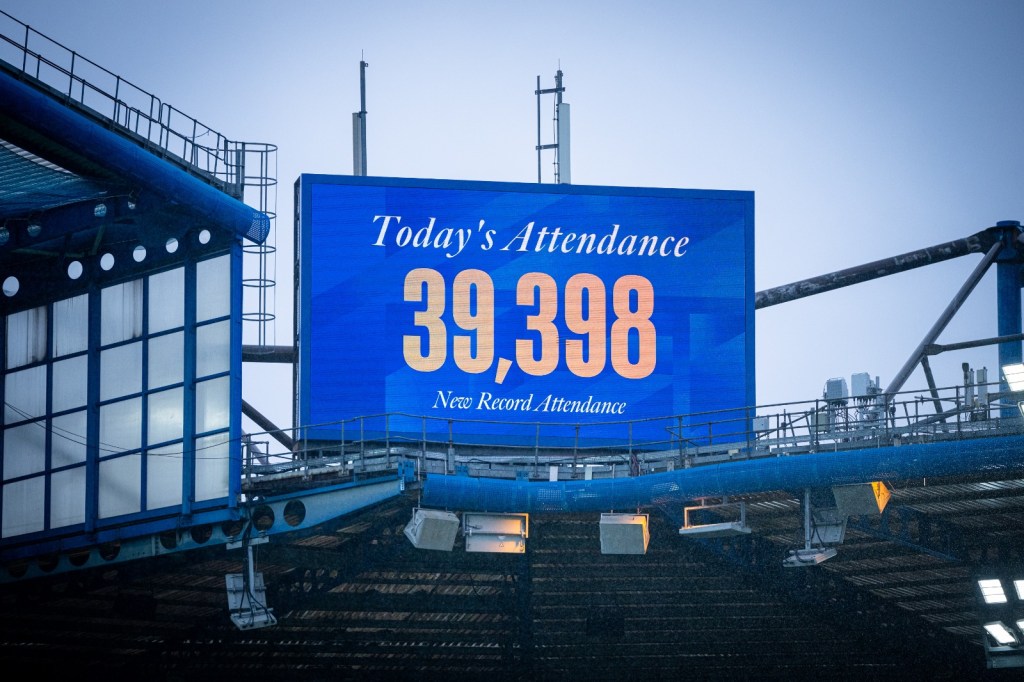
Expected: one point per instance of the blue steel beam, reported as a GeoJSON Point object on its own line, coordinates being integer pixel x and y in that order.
{"type": "Point", "coordinates": [25, 106]}
{"type": "Point", "coordinates": [266, 517]}
{"type": "Point", "coordinates": [1004, 454]}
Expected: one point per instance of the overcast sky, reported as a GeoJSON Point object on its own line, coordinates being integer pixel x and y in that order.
{"type": "Point", "coordinates": [865, 129]}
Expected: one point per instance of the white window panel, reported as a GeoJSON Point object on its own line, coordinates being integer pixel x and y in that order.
{"type": "Point", "coordinates": [70, 383]}
{"type": "Point", "coordinates": [23, 507]}
{"type": "Point", "coordinates": [163, 476]}
{"type": "Point", "coordinates": [213, 288]}
{"type": "Point", "coordinates": [121, 371]}
{"type": "Point", "coordinates": [167, 300]}
{"type": "Point", "coordinates": [121, 316]}
{"type": "Point", "coordinates": [165, 416]}
{"type": "Point", "coordinates": [213, 348]}
{"type": "Point", "coordinates": [212, 466]}
{"type": "Point", "coordinates": [26, 337]}
{"type": "Point", "coordinates": [67, 503]}
{"type": "Point", "coordinates": [70, 326]}
{"type": "Point", "coordinates": [67, 444]}
{"type": "Point", "coordinates": [24, 450]}
{"type": "Point", "coordinates": [166, 360]}
{"type": "Point", "coordinates": [120, 486]}
{"type": "Point", "coordinates": [121, 426]}
{"type": "Point", "coordinates": [213, 404]}
{"type": "Point", "coordinates": [25, 394]}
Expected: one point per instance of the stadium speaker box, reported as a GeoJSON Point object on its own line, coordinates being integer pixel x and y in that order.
{"type": "Point", "coordinates": [432, 529]}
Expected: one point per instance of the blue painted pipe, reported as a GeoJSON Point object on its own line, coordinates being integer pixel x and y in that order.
{"type": "Point", "coordinates": [41, 113]}
{"type": "Point", "coordinates": [915, 461]}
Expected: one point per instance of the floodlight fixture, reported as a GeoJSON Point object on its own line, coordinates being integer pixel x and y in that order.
{"type": "Point", "coordinates": [432, 529]}
{"type": "Point", "coordinates": [624, 533]}
{"type": "Point", "coordinates": [1000, 633]}
{"type": "Point", "coordinates": [992, 591]}
{"type": "Point", "coordinates": [1014, 376]}
{"type": "Point", "coordinates": [496, 533]}
{"type": "Point", "coordinates": [860, 499]}
{"type": "Point", "coordinates": [716, 530]}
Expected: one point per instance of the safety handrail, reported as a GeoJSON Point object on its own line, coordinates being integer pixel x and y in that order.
{"type": "Point", "coordinates": [442, 444]}
{"type": "Point", "coordinates": [158, 126]}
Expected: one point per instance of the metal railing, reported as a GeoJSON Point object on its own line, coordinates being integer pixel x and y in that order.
{"type": "Point", "coordinates": [377, 443]}
{"type": "Point", "coordinates": [94, 90]}
{"type": "Point", "coordinates": [246, 171]}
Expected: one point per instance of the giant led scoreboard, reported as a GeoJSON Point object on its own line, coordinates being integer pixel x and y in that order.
{"type": "Point", "coordinates": [491, 304]}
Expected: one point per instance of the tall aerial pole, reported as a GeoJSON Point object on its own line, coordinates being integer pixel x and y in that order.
{"type": "Point", "coordinates": [359, 126]}
{"type": "Point", "coordinates": [561, 144]}
{"type": "Point", "coordinates": [537, 92]}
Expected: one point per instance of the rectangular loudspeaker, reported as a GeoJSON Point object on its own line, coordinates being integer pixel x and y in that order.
{"type": "Point", "coordinates": [624, 534]}
{"type": "Point", "coordinates": [432, 529]}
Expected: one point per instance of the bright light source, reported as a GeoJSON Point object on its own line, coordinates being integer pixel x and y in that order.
{"type": "Point", "coordinates": [861, 499]}
{"type": "Point", "coordinates": [992, 591]}
{"type": "Point", "coordinates": [501, 533]}
{"type": "Point", "coordinates": [720, 529]}
{"type": "Point", "coordinates": [1000, 633]}
{"type": "Point", "coordinates": [1019, 585]}
{"type": "Point", "coordinates": [1014, 375]}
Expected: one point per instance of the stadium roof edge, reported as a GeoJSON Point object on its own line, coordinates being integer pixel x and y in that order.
{"type": "Point", "coordinates": [27, 108]}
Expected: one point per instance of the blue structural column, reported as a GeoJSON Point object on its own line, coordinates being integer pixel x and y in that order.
{"type": "Point", "coordinates": [1008, 297]}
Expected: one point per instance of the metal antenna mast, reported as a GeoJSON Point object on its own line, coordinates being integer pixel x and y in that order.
{"type": "Point", "coordinates": [561, 144]}
{"type": "Point", "coordinates": [359, 126]}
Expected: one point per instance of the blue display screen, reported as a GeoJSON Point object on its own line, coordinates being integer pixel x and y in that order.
{"type": "Point", "coordinates": [506, 303]}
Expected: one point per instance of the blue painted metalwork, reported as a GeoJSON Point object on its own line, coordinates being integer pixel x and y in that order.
{"type": "Point", "coordinates": [92, 440]}
{"type": "Point", "coordinates": [31, 187]}
{"type": "Point", "coordinates": [188, 478]}
{"type": "Point", "coordinates": [127, 188]}
{"type": "Point", "coordinates": [235, 428]}
{"type": "Point", "coordinates": [267, 517]}
{"type": "Point", "coordinates": [730, 478]}
{"type": "Point", "coordinates": [45, 116]}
